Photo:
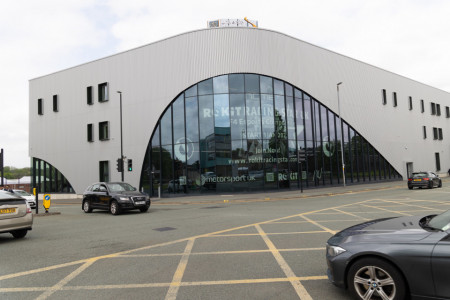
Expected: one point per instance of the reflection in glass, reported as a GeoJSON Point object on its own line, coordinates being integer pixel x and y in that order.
{"type": "Point", "coordinates": [237, 116]}
{"type": "Point", "coordinates": [244, 132]}
{"type": "Point", "coordinates": [220, 84]}
{"type": "Point", "coordinates": [166, 127]}
{"type": "Point", "coordinates": [178, 119]}
{"type": "Point", "coordinates": [192, 119]}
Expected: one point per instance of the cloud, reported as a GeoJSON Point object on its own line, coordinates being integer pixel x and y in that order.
{"type": "Point", "coordinates": [408, 37]}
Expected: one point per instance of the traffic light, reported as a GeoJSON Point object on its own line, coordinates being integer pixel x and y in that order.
{"type": "Point", "coordinates": [119, 165]}
{"type": "Point", "coordinates": [130, 165]}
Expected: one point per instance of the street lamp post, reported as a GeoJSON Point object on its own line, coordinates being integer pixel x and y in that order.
{"type": "Point", "coordinates": [121, 136]}
{"type": "Point", "coordinates": [342, 133]}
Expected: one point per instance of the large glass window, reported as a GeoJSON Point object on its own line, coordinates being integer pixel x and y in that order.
{"type": "Point", "coordinates": [247, 132]}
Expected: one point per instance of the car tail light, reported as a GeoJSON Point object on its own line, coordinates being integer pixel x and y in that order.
{"type": "Point", "coordinates": [28, 209]}
{"type": "Point", "coordinates": [409, 179]}
{"type": "Point", "coordinates": [426, 178]}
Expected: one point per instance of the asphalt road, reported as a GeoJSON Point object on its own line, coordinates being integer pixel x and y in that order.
{"type": "Point", "coordinates": [222, 247]}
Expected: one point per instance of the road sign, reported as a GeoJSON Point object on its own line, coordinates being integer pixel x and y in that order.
{"type": "Point", "coordinates": [46, 202]}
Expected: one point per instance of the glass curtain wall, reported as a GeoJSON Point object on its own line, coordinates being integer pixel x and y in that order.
{"type": "Point", "coordinates": [248, 132]}
{"type": "Point", "coordinates": [48, 179]}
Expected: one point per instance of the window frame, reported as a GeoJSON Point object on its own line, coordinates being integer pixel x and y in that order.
{"type": "Point", "coordinates": [103, 92]}
{"type": "Point", "coordinates": [40, 107]}
{"type": "Point", "coordinates": [90, 132]}
{"type": "Point", "coordinates": [422, 106]}
{"type": "Point", "coordinates": [424, 129]}
{"type": "Point", "coordinates": [394, 99]}
{"type": "Point", "coordinates": [410, 103]}
{"type": "Point", "coordinates": [101, 132]}
{"type": "Point", "coordinates": [383, 95]}
{"type": "Point", "coordinates": [55, 103]}
{"type": "Point", "coordinates": [89, 95]}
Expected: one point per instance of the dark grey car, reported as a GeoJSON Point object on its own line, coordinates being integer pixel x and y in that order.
{"type": "Point", "coordinates": [115, 197]}
{"type": "Point", "coordinates": [424, 179]}
{"type": "Point", "coordinates": [393, 258]}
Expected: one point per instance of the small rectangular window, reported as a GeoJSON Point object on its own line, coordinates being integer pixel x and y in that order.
{"type": "Point", "coordinates": [90, 132]}
{"type": "Point", "coordinates": [104, 171]}
{"type": "Point", "coordinates": [440, 134]}
{"type": "Point", "coordinates": [433, 108]}
{"type": "Point", "coordinates": [384, 97]}
{"type": "Point", "coordinates": [103, 131]}
{"type": "Point", "coordinates": [438, 161]}
{"type": "Point", "coordinates": [438, 109]}
{"type": "Point", "coordinates": [410, 103]}
{"type": "Point", "coordinates": [424, 132]}
{"type": "Point", "coordinates": [422, 106]}
{"type": "Point", "coordinates": [394, 98]}
{"type": "Point", "coordinates": [103, 92]}
{"type": "Point", "coordinates": [447, 112]}
{"type": "Point", "coordinates": [40, 107]}
{"type": "Point", "coordinates": [435, 133]}
{"type": "Point", "coordinates": [90, 96]}
{"type": "Point", "coordinates": [55, 103]}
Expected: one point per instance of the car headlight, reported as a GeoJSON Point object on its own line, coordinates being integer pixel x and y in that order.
{"type": "Point", "coordinates": [124, 198]}
{"type": "Point", "coordinates": [334, 250]}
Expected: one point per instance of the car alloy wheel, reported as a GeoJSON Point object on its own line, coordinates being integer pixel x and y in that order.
{"type": "Point", "coordinates": [114, 208]}
{"type": "Point", "coordinates": [373, 278]}
{"type": "Point", "coordinates": [87, 207]}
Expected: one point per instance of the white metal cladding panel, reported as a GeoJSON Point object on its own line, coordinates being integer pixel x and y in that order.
{"type": "Point", "coordinates": [150, 77]}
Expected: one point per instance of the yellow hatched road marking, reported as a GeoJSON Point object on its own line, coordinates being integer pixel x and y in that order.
{"type": "Point", "coordinates": [178, 276]}
{"type": "Point", "coordinates": [299, 288]}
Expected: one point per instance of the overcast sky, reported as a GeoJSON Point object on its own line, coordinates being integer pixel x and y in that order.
{"type": "Point", "coordinates": [407, 37]}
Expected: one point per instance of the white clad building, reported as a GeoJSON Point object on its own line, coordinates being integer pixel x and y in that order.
{"type": "Point", "coordinates": [232, 109]}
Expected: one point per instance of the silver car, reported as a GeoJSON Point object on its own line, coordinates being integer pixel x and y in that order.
{"type": "Point", "coordinates": [15, 215]}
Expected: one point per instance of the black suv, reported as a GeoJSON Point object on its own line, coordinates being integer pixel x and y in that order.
{"type": "Point", "coordinates": [115, 197]}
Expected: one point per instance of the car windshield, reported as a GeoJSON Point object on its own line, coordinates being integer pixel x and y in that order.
{"type": "Point", "coordinates": [22, 193]}
{"type": "Point", "coordinates": [441, 221]}
{"type": "Point", "coordinates": [120, 187]}
{"type": "Point", "coordinates": [419, 175]}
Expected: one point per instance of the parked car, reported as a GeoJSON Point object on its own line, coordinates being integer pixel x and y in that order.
{"type": "Point", "coordinates": [393, 258]}
{"type": "Point", "coordinates": [16, 217]}
{"type": "Point", "coordinates": [424, 179]}
{"type": "Point", "coordinates": [115, 197]}
{"type": "Point", "coordinates": [31, 199]}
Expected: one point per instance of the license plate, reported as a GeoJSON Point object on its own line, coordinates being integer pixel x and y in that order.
{"type": "Point", "coordinates": [139, 202]}
{"type": "Point", "coordinates": [7, 210]}
{"type": "Point", "coordinates": [417, 179]}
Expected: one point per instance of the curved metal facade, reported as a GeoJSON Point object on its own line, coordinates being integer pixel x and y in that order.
{"type": "Point", "coordinates": [152, 76]}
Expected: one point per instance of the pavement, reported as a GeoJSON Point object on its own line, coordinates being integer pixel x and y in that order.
{"type": "Point", "coordinates": [283, 194]}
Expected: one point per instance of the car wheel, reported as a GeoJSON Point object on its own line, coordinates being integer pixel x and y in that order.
{"type": "Point", "coordinates": [144, 209]}
{"type": "Point", "coordinates": [374, 278]}
{"type": "Point", "coordinates": [410, 187]}
{"type": "Point", "coordinates": [18, 234]}
{"type": "Point", "coordinates": [87, 206]}
{"type": "Point", "coordinates": [430, 185]}
{"type": "Point", "coordinates": [114, 208]}
{"type": "Point", "coordinates": [440, 183]}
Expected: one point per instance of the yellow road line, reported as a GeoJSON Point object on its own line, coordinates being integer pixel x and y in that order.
{"type": "Point", "coordinates": [65, 280]}
{"type": "Point", "coordinates": [14, 275]}
{"type": "Point", "coordinates": [299, 288]}
{"type": "Point", "coordinates": [319, 225]}
{"type": "Point", "coordinates": [178, 276]}
{"type": "Point", "coordinates": [164, 284]}
{"type": "Point", "coordinates": [350, 214]}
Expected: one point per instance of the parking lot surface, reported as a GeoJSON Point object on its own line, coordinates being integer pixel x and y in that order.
{"type": "Point", "coordinates": [278, 258]}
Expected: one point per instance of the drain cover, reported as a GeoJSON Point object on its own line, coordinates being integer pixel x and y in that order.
{"type": "Point", "coordinates": [164, 229]}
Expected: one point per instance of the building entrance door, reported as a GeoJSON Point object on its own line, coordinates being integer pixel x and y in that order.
{"type": "Point", "coordinates": [409, 169]}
